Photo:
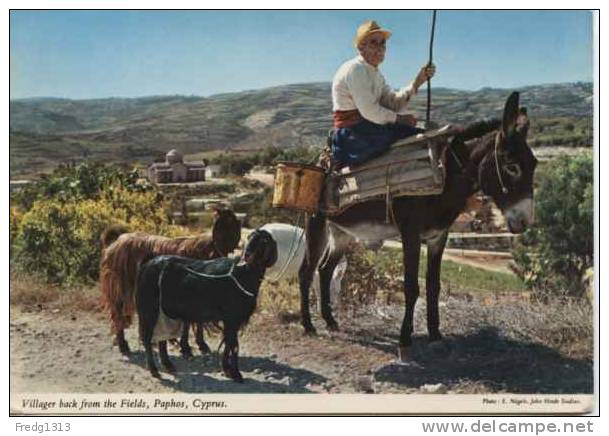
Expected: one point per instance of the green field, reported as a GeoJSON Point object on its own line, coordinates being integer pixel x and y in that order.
{"type": "Point", "coordinates": [454, 275]}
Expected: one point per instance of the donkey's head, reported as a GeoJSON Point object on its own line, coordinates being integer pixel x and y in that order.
{"type": "Point", "coordinates": [506, 171]}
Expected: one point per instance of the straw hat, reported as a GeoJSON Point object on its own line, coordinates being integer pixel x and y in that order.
{"type": "Point", "coordinates": [368, 28]}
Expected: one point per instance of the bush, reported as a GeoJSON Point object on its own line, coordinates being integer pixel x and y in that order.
{"type": "Point", "coordinates": [556, 252]}
{"type": "Point", "coordinates": [14, 222]}
{"type": "Point", "coordinates": [370, 278]}
{"type": "Point", "coordinates": [60, 240]}
{"type": "Point", "coordinates": [78, 182]}
{"type": "Point", "coordinates": [57, 237]}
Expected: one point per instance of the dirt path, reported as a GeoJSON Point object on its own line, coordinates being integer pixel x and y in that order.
{"type": "Point", "coordinates": [265, 178]}
{"type": "Point", "coordinates": [483, 260]}
{"type": "Point", "coordinates": [486, 349]}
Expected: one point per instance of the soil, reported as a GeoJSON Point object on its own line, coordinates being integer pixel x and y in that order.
{"type": "Point", "coordinates": [492, 348]}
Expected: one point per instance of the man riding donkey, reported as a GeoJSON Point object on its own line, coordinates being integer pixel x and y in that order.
{"type": "Point", "coordinates": [368, 115]}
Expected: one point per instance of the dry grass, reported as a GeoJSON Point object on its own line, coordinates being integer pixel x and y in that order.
{"type": "Point", "coordinates": [31, 291]}
{"type": "Point", "coordinates": [281, 300]}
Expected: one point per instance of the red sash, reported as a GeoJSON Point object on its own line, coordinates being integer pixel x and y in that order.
{"type": "Point", "coordinates": [346, 118]}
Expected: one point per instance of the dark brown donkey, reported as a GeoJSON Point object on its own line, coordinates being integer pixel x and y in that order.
{"type": "Point", "coordinates": [500, 163]}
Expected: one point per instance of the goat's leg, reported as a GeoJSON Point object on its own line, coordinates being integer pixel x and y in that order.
{"type": "Point", "coordinates": [118, 324]}
{"type": "Point", "coordinates": [165, 357]}
{"type": "Point", "coordinates": [435, 249]}
{"type": "Point", "coordinates": [150, 361]}
{"type": "Point", "coordinates": [411, 249]}
{"type": "Point", "coordinates": [147, 320]}
{"type": "Point", "coordinates": [231, 354]}
{"type": "Point", "coordinates": [120, 340]}
{"type": "Point", "coordinates": [185, 349]}
{"type": "Point", "coordinates": [315, 232]}
{"type": "Point", "coordinates": [325, 277]}
{"type": "Point", "coordinates": [203, 347]}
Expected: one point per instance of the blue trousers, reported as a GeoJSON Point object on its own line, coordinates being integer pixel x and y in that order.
{"type": "Point", "coordinates": [367, 140]}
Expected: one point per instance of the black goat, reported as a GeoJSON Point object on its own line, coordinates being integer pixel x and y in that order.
{"type": "Point", "coordinates": [210, 292]}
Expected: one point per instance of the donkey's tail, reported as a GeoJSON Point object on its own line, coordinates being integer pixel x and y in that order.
{"type": "Point", "coordinates": [478, 129]}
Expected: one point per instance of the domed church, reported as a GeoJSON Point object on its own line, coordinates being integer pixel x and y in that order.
{"type": "Point", "coordinates": [175, 170]}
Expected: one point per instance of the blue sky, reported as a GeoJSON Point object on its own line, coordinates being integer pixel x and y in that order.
{"type": "Point", "coordinates": [95, 54]}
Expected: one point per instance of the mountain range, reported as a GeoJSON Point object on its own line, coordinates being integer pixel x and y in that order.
{"type": "Point", "coordinates": [45, 131]}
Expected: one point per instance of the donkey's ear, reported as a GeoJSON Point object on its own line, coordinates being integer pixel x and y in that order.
{"type": "Point", "coordinates": [510, 112]}
{"type": "Point", "coordinates": [523, 123]}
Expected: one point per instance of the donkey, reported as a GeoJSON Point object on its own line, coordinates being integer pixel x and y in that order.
{"type": "Point", "coordinates": [500, 163]}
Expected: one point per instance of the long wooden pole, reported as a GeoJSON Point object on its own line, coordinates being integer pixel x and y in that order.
{"type": "Point", "coordinates": [433, 28]}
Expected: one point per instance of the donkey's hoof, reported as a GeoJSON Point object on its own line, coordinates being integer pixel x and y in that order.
{"type": "Point", "coordinates": [333, 326]}
{"type": "Point", "coordinates": [309, 330]}
{"type": "Point", "coordinates": [168, 367]}
{"type": "Point", "coordinates": [233, 374]}
{"type": "Point", "coordinates": [404, 354]}
{"type": "Point", "coordinates": [435, 337]}
{"type": "Point", "coordinates": [204, 348]}
{"type": "Point", "coordinates": [186, 353]}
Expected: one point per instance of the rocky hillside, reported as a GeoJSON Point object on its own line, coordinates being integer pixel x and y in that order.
{"type": "Point", "coordinates": [44, 131]}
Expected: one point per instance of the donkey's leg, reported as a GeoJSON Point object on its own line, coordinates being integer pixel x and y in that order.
{"type": "Point", "coordinates": [185, 349]}
{"type": "Point", "coordinates": [411, 249]}
{"type": "Point", "coordinates": [325, 277]}
{"type": "Point", "coordinates": [165, 357]}
{"type": "Point", "coordinates": [203, 347]}
{"type": "Point", "coordinates": [316, 237]}
{"type": "Point", "coordinates": [231, 354]}
{"type": "Point", "coordinates": [435, 249]}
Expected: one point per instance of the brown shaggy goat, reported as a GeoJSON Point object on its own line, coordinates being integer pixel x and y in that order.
{"type": "Point", "coordinates": [121, 260]}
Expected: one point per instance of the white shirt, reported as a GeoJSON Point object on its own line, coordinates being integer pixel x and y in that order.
{"type": "Point", "coordinates": [359, 85]}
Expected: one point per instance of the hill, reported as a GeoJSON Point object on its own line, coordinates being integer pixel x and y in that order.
{"type": "Point", "coordinates": [45, 131]}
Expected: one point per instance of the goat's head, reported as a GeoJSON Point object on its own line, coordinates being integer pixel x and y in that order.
{"type": "Point", "coordinates": [226, 231]}
{"type": "Point", "coordinates": [260, 249]}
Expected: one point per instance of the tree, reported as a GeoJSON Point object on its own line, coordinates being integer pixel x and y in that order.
{"type": "Point", "coordinates": [556, 252]}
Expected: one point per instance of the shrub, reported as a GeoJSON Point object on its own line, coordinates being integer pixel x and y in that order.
{"type": "Point", "coordinates": [57, 236]}
{"type": "Point", "coordinates": [14, 221]}
{"type": "Point", "coordinates": [78, 181]}
{"type": "Point", "coordinates": [556, 252]}
{"type": "Point", "coordinates": [370, 277]}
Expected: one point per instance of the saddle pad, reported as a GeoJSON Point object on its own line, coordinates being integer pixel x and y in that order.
{"type": "Point", "coordinates": [412, 167]}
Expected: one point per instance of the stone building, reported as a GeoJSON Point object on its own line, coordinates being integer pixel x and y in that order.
{"type": "Point", "coordinates": [213, 171]}
{"type": "Point", "coordinates": [175, 170]}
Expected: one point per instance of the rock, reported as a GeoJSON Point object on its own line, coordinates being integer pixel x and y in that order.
{"type": "Point", "coordinates": [434, 389]}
